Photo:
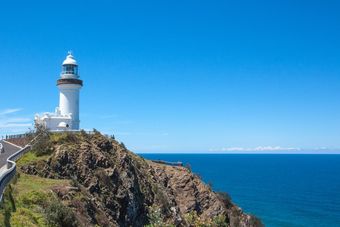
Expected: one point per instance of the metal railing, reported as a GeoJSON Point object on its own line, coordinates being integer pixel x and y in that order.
{"type": "Point", "coordinates": [24, 135]}
{"type": "Point", "coordinates": [16, 136]}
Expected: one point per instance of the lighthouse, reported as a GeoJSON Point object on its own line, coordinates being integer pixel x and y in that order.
{"type": "Point", "coordinates": [69, 86]}
{"type": "Point", "coordinates": [66, 115]}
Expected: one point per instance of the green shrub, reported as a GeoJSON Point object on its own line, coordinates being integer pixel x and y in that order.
{"type": "Point", "coordinates": [84, 135]}
{"type": "Point", "coordinates": [123, 145]}
{"type": "Point", "coordinates": [74, 182]}
{"type": "Point", "coordinates": [68, 137]}
{"type": "Point", "coordinates": [58, 215]}
{"type": "Point", "coordinates": [43, 145]}
{"type": "Point", "coordinates": [15, 178]}
{"type": "Point", "coordinates": [8, 206]}
{"type": "Point", "coordinates": [192, 219]}
{"type": "Point", "coordinates": [188, 167]}
{"type": "Point", "coordinates": [225, 197]}
{"type": "Point", "coordinates": [219, 221]}
{"type": "Point", "coordinates": [33, 198]}
{"type": "Point", "coordinates": [155, 216]}
{"type": "Point", "coordinates": [26, 218]}
{"type": "Point", "coordinates": [96, 132]}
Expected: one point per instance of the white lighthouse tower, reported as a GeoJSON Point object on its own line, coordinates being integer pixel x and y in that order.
{"type": "Point", "coordinates": [69, 86]}
{"type": "Point", "coordinates": [66, 116]}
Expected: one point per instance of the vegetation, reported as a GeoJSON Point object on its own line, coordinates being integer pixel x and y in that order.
{"type": "Point", "coordinates": [188, 167]}
{"type": "Point", "coordinates": [57, 214]}
{"type": "Point", "coordinates": [28, 201]}
{"type": "Point", "coordinates": [105, 164]}
{"type": "Point", "coordinates": [225, 197]}
{"type": "Point", "coordinates": [31, 157]}
{"type": "Point", "coordinates": [123, 145]}
{"type": "Point", "coordinates": [156, 218]}
{"type": "Point", "coordinates": [7, 207]}
{"type": "Point", "coordinates": [43, 145]}
{"type": "Point", "coordinates": [193, 220]}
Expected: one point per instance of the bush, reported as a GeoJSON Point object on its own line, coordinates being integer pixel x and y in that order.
{"type": "Point", "coordinates": [33, 198]}
{"type": "Point", "coordinates": [7, 206]}
{"type": "Point", "coordinates": [74, 182]}
{"type": "Point", "coordinates": [84, 134]}
{"type": "Point", "coordinates": [123, 145]}
{"type": "Point", "coordinates": [26, 218]}
{"type": "Point", "coordinates": [219, 221]}
{"type": "Point", "coordinates": [68, 137]}
{"type": "Point", "coordinates": [188, 167]}
{"type": "Point", "coordinates": [43, 145]}
{"type": "Point", "coordinates": [210, 185]}
{"type": "Point", "coordinates": [225, 197]}
{"type": "Point", "coordinates": [193, 220]}
{"type": "Point", "coordinates": [96, 132]}
{"type": "Point", "coordinates": [58, 215]}
{"type": "Point", "coordinates": [155, 216]}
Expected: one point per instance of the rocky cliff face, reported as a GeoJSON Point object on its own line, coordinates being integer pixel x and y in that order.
{"type": "Point", "coordinates": [115, 187]}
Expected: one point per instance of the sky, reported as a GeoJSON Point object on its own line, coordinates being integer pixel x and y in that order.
{"type": "Point", "coordinates": [180, 76]}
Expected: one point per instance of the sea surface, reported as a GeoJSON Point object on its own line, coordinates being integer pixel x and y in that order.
{"type": "Point", "coordinates": [282, 190]}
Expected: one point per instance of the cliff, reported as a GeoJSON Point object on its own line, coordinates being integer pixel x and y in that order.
{"type": "Point", "coordinates": [102, 183]}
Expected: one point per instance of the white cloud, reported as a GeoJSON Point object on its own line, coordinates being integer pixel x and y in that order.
{"type": "Point", "coordinates": [16, 125]}
{"type": "Point", "coordinates": [13, 124]}
{"type": "Point", "coordinates": [18, 120]}
{"type": "Point", "coordinates": [276, 148]}
{"type": "Point", "coordinates": [259, 148]}
{"type": "Point", "coordinates": [9, 111]}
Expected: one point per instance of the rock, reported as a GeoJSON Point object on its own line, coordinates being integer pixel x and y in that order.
{"type": "Point", "coordinates": [118, 188]}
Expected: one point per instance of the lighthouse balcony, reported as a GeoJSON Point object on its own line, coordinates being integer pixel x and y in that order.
{"type": "Point", "coordinates": [69, 81]}
{"type": "Point", "coordinates": [69, 76]}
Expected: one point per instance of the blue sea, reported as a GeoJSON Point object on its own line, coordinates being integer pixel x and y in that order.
{"type": "Point", "coordinates": [282, 190]}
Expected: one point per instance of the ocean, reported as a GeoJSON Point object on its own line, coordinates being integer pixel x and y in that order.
{"type": "Point", "coordinates": [282, 190]}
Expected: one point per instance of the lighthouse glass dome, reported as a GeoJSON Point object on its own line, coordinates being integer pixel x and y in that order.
{"type": "Point", "coordinates": [70, 69]}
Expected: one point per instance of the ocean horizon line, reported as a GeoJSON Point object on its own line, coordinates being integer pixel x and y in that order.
{"type": "Point", "coordinates": [242, 153]}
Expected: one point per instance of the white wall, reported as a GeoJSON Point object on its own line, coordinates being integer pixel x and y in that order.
{"type": "Point", "coordinates": [69, 102]}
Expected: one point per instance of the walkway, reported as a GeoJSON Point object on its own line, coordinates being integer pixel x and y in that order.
{"type": "Point", "coordinates": [9, 149]}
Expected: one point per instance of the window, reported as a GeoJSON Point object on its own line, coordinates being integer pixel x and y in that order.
{"type": "Point", "coordinates": [70, 69]}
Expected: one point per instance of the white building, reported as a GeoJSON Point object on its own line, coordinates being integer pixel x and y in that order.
{"type": "Point", "coordinates": [66, 116]}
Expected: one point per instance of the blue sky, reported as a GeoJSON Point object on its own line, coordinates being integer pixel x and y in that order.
{"type": "Point", "coordinates": [167, 76]}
